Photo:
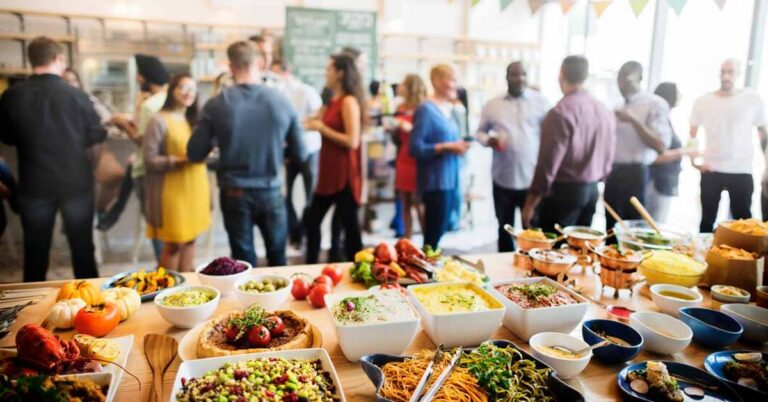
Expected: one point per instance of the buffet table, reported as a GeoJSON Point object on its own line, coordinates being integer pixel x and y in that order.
{"type": "Point", "coordinates": [597, 382]}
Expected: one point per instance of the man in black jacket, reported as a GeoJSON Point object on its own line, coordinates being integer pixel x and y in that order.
{"type": "Point", "coordinates": [54, 128]}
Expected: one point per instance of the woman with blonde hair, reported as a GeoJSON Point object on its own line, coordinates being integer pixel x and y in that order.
{"type": "Point", "coordinates": [414, 92]}
{"type": "Point", "coordinates": [178, 197]}
{"type": "Point", "coordinates": [436, 145]}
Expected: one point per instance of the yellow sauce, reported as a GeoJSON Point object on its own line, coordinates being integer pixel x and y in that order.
{"type": "Point", "coordinates": [454, 298]}
{"type": "Point", "coordinates": [676, 295]}
{"type": "Point", "coordinates": [558, 353]}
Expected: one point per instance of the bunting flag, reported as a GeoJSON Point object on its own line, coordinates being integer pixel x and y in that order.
{"type": "Point", "coordinates": [677, 5]}
{"type": "Point", "coordinates": [566, 5]}
{"type": "Point", "coordinates": [638, 6]}
{"type": "Point", "coordinates": [535, 5]}
{"type": "Point", "coordinates": [504, 4]}
{"type": "Point", "coordinates": [720, 3]}
{"type": "Point", "coordinates": [600, 5]}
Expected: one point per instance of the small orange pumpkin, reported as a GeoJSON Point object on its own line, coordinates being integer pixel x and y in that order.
{"type": "Point", "coordinates": [80, 290]}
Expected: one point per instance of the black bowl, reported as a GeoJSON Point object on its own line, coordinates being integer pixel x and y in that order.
{"type": "Point", "coordinates": [372, 366]}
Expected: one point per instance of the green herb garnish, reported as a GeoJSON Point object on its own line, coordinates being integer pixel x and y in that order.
{"type": "Point", "coordinates": [535, 291]}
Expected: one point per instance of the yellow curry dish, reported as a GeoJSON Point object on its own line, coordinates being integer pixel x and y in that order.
{"type": "Point", "coordinates": [455, 298]}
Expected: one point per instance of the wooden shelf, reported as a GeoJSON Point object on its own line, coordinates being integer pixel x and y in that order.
{"type": "Point", "coordinates": [211, 46]}
{"type": "Point", "coordinates": [7, 71]}
{"type": "Point", "coordinates": [425, 57]}
{"type": "Point", "coordinates": [29, 36]}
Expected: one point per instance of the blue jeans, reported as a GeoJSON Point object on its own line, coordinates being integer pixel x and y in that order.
{"type": "Point", "coordinates": [437, 215]}
{"type": "Point", "coordinates": [38, 216]}
{"type": "Point", "coordinates": [265, 208]}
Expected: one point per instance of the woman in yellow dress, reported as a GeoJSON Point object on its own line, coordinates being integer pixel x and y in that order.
{"type": "Point", "coordinates": [178, 196]}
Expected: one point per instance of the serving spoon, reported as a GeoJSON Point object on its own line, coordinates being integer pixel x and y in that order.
{"type": "Point", "coordinates": [582, 352]}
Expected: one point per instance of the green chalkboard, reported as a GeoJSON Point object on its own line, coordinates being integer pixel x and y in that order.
{"type": "Point", "coordinates": [312, 34]}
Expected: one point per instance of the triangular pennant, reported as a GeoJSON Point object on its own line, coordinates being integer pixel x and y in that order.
{"type": "Point", "coordinates": [474, 2]}
{"type": "Point", "coordinates": [677, 5]}
{"type": "Point", "coordinates": [535, 5]}
{"type": "Point", "coordinates": [720, 3]}
{"type": "Point", "coordinates": [566, 5]}
{"type": "Point", "coordinates": [638, 6]}
{"type": "Point", "coordinates": [504, 4]}
{"type": "Point", "coordinates": [600, 5]}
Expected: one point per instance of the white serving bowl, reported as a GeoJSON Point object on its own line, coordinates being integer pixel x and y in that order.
{"type": "Point", "coordinates": [358, 340]}
{"type": "Point", "coordinates": [672, 305]}
{"type": "Point", "coordinates": [526, 322]}
{"type": "Point", "coordinates": [268, 301]}
{"type": "Point", "coordinates": [187, 317]}
{"type": "Point", "coordinates": [458, 329]}
{"type": "Point", "coordinates": [754, 319]}
{"type": "Point", "coordinates": [566, 368]}
{"type": "Point", "coordinates": [716, 291]}
{"type": "Point", "coordinates": [199, 367]}
{"type": "Point", "coordinates": [222, 282]}
{"type": "Point", "coordinates": [662, 334]}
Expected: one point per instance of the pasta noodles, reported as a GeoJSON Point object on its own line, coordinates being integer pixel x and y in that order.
{"type": "Point", "coordinates": [401, 379]}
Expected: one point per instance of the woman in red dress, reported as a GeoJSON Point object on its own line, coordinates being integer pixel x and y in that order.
{"type": "Point", "coordinates": [340, 178]}
{"type": "Point", "coordinates": [413, 91]}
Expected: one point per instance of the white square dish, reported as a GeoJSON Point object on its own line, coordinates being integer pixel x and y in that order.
{"type": "Point", "coordinates": [458, 328]}
{"type": "Point", "coordinates": [526, 322]}
{"type": "Point", "coordinates": [197, 368]}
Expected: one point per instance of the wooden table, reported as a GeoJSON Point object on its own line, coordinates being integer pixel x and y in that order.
{"type": "Point", "coordinates": [597, 382]}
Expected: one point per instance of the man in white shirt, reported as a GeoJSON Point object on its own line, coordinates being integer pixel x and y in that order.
{"type": "Point", "coordinates": [511, 125]}
{"type": "Point", "coordinates": [306, 100]}
{"type": "Point", "coordinates": [643, 133]}
{"type": "Point", "coordinates": [728, 116]}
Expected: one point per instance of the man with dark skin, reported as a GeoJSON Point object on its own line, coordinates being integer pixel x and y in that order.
{"type": "Point", "coordinates": [643, 132]}
{"type": "Point", "coordinates": [511, 125]}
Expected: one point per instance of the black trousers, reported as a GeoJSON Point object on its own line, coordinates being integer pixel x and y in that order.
{"type": "Point", "coordinates": [346, 209]}
{"type": "Point", "coordinates": [308, 172]}
{"type": "Point", "coordinates": [568, 204]}
{"type": "Point", "coordinates": [624, 182]}
{"type": "Point", "coordinates": [506, 201]}
{"type": "Point", "coordinates": [38, 216]}
{"type": "Point", "coordinates": [437, 215]}
{"type": "Point", "coordinates": [739, 187]}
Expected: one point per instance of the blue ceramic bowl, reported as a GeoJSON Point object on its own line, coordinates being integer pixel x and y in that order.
{"type": "Point", "coordinates": [710, 327]}
{"type": "Point", "coordinates": [612, 353]}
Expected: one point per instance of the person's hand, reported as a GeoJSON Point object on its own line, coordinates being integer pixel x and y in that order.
{"type": "Point", "coordinates": [179, 160]}
{"type": "Point", "coordinates": [527, 215]}
{"type": "Point", "coordinates": [493, 142]}
{"type": "Point", "coordinates": [624, 116]}
{"type": "Point", "coordinates": [456, 147]}
{"type": "Point", "coordinates": [405, 125]}
{"type": "Point", "coordinates": [314, 124]}
{"type": "Point", "coordinates": [4, 193]}
{"type": "Point", "coordinates": [702, 167]}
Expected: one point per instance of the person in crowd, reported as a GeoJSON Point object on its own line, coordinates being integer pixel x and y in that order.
{"type": "Point", "coordinates": [728, 117]}
{"type": "Point", "coordinates": [413, 91]}
{"type": "Point", "coordinates": [8, 192]}
{"type": "Point", "coordinates": [436, 145]}
{"type": "Point", "coordinates": [643, 132]}
{"type": "Point", "coordinates": [510, 124]}
{"type": "Point", "coordinates": [340, 178]}
{"type": "Point", "coordinates": [178, 196]}
{"type": "Point", "coordinates": [578, 141]}
{"type": "Point", "coordinates": [253, 125]}
{"type": "Point", "coordinates": [55, 171]}
{"type": "Point", "coordinates": [265, 43]}
{"type": "Point", "coordinates": [665, 170]}
{"type": "Point", "coordinates": [109, 173]}
{"type": "Point", "coordinates": [306, 101]}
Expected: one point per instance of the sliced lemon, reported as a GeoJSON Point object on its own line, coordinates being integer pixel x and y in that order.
{"type": "Point", "coordinates": [105, 349]}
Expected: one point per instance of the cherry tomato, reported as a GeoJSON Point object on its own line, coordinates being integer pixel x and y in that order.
{"type": "Point", "coordinates": [300, 288]}
{"type": "Point", "coordinates": [259, 336]}
{"type": "Point", "coordinates": [97, 320]}
{"type": "Point", "coordinates": [334, 271]}
{"type": "Point", "coordinates": [324, 279]}
{"type": "Point", "coordinates": [275, 325]}
{"type": "Point", "coordinates": [231, 333]}
{"type": "Point", "coordinates": [316, 295]}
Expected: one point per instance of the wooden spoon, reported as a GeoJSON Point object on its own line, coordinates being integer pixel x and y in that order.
{"type": "Point", "coordinates": [160, 351]}
{"type": "Point", "coordinates": [644, 213]}
{"type": "Point", "coordinates": [615, 215]}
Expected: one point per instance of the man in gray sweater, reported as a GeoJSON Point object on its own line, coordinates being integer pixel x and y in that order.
{"type": "Point", "coordinates": [251, 124]}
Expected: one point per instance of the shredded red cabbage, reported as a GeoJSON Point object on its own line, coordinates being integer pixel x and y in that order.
{"type": "Point", "coordinates": [224, 266]}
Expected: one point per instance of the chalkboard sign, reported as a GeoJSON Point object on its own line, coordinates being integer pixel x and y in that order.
{"type": "Point", "coordinates": [311, 35]}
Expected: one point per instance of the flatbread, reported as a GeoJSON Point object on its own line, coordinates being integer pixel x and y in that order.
{"type": "Point", "coordinates": [212, 341]}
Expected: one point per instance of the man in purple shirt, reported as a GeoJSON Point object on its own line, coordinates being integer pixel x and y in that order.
{"type": "Point", "coordinates": [577, 146]}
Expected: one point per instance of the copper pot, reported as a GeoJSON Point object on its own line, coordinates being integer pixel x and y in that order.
{"type": "Point", "coordinates": [630, 262]}
{"type": "Point", "coordinates": [551, 262]}
{"type": "Point", "coordinates": [617, 278]}
{"type": "Point", "coordinates": [578, 236]}
{"type": "Point", "coordinates": [521, 260]}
